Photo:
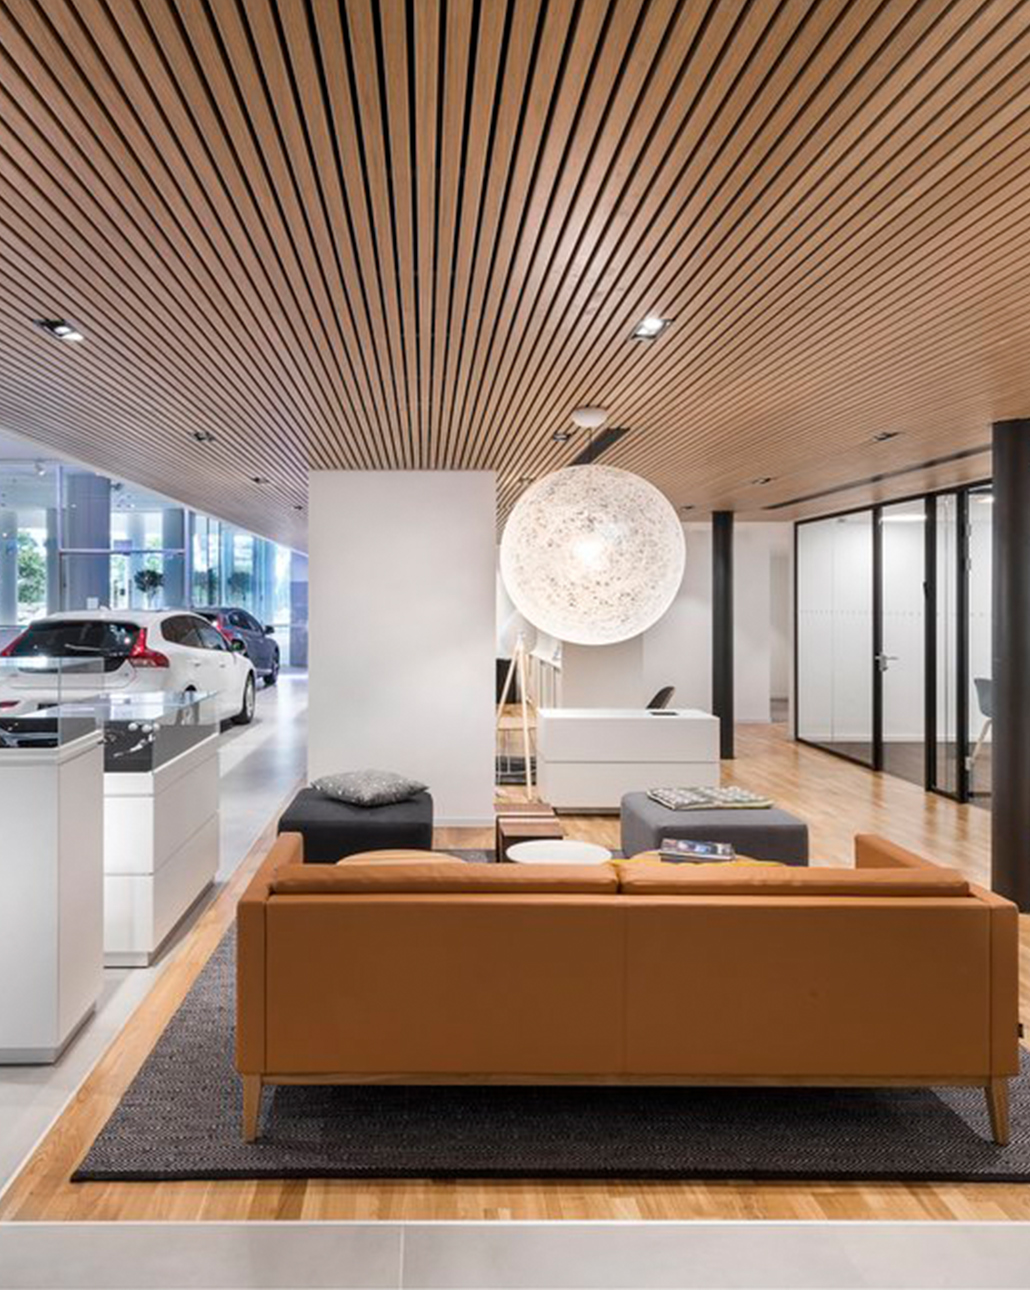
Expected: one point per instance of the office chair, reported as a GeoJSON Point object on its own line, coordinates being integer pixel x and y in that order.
{"type": "Point", "coordinates": [985, 698]}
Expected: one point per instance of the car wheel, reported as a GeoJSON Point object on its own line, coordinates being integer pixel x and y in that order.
{"type": "Point", "coordinates": [273, 676]}
{"type": "Point", "coordinates": [246, 714]}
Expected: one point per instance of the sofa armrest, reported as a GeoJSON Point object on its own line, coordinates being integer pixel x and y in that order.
{"type": "Point", "coordinates": [287, 850]}
{"type": "Point", "coordinates": [873, 852]}
{"type": "Point", "coordinates": [1004, 971]}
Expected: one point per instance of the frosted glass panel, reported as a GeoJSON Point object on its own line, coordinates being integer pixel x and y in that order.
{"type": "Point", "coordinates": [835, 634]}
{"type": "Point", "coordinates": [903, 534]}
{"type": "Point", "coordinates": [980, 643]}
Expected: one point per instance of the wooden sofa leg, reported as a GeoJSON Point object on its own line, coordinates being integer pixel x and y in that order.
{"type": "Point", "coordinates": [251, 1106]}
{"type": "Point", "coordinates": [997, 1092]}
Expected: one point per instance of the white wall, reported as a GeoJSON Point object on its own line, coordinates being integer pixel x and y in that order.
{"type": "Point", "coordinates": [677, 650]}
{"type": "Point", "coordinates": [402, 630]}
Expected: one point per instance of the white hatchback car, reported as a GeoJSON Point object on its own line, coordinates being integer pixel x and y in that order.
{"type": "Point", "coordinates": [174, 650]}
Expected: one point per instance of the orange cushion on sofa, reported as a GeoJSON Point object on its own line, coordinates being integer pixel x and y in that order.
{"type": "Point", "coordinates": [646, 879]}
{"type": "Point", "coordinates": [444, 878]}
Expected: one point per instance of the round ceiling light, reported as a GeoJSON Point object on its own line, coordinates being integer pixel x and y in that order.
{"type": "Point", "coordinates": [589, 418]}
{"type": "Point", "coordinates": [592, 554]}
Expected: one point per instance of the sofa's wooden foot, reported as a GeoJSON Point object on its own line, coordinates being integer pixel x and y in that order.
{"type": "Point", "coordinates": [251, 1106]}
{"type": "Point", "coordinates": [997, 1092]}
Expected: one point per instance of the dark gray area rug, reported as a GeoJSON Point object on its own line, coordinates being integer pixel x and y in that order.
{"type": "Point", "coordinates": [180, 1118]}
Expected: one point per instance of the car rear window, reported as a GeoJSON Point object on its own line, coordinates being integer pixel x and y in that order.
{"type": "Point", "coordinates": [77, 638]}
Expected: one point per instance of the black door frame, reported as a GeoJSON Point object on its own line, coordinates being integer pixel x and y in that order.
{"type": "Point", "coordinates": [961, 493]}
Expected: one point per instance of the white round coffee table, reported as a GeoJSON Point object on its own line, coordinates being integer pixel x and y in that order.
{"type": "Point", "coordinates": [558, 851]}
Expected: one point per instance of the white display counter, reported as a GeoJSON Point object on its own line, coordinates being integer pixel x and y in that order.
{"type": "Point", "coordinates": [161, 850]}
{"type": "Point", "coordinates": [51, 895]}
{"type": "Point", "coordinates": [587, 758]}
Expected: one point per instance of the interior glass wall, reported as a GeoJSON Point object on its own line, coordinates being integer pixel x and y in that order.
{"type": "Point", "coordinates": [901, 659]}
{"type": "Point", "coordinates": [980, 705]}
{"type": "Point", "coordinates": [923, 709]}
{"type": "Point", "coordinates": [835, 634]}
{"type": "Point", "coordinates": [946, 764]}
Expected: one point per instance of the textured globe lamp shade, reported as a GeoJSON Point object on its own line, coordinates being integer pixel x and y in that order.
{"type": "Point", "coordinates": [592, 555]}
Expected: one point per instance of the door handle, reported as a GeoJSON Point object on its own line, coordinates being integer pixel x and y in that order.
{"type": "Point", "coordinates": [883, 661]}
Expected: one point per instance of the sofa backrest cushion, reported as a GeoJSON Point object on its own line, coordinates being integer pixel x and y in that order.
{"type": "Point", "coordinates": [445, 878]}
{"type": "Point", "coordinates": [654, 879]}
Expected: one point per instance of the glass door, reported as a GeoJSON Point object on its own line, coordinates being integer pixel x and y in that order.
{"type": "Point", "coordinates": [835, 639]}
{"type": "Point", "coordinates": [901, 655]}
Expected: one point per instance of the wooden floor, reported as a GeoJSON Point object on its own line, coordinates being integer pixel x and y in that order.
{"type": "Point", "coordinates": [836, 798]}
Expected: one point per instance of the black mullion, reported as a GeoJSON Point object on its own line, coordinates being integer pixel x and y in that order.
{"type": "Point", "coordinates": [930, 644]}
{"type": "Point", "coordinates": [962, 644]}
{"type": "Point", "coordinates": [877, 760]}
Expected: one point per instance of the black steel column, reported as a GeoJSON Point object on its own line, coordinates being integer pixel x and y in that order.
{"type": "Point", "coordinates": [1010, 749]}
{"type": "Point", "coordinates": [722, 628]}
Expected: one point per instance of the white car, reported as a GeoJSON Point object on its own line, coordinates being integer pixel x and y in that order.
{"type": "Point", "coordinates": [175, 651]}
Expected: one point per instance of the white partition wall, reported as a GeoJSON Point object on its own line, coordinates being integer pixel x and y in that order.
{"type": "Point", "coordinates": [402, 630]}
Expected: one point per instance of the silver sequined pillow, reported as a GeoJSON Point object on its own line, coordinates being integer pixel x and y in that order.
{"type": "Point", "coordinates": [368, 787]}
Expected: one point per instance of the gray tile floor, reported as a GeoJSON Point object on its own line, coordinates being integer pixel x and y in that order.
{"type": "Point", "coordinates": [515, 1256]}
{"type": "Point", "coordinates": [259, 763]}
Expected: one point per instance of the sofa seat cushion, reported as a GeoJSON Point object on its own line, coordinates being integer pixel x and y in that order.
{"type": "Point", "coordinates": [444, 878]}
{"type": "Point", "coordinates": [402, 856]}
{"type": "Point", "coordinates": [649, 879]}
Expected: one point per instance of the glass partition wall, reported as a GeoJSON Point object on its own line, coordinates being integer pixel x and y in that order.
{"type": "Point", "coordinates": [893, 639]}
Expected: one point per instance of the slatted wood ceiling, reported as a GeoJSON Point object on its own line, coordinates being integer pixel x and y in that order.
{"type": "Point", "coordinates": [417, 233]}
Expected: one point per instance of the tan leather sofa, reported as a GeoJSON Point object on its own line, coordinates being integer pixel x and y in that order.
{"type": "Point", "coordinates": [894, 972]}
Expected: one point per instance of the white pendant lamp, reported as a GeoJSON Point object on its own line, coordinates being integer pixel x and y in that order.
{"type": "Point", "coordinates": [592, 554]}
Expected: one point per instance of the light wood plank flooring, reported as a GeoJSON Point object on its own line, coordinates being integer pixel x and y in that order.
{"type": "Point", "coordinates": [836, 798]}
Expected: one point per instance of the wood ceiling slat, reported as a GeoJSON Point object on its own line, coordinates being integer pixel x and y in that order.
{"type": "Point", "coordinates": [415, 233]}
{"type": "Point", "coordinates": [56, 138]}
{"type": "Point", "coordinates": [839, 47]}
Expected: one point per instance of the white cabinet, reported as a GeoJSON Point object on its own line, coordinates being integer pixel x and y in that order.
{"type": "Point", "coordinates": [161, 850]}
{"type": "Point", "coordinates": [51, 895]}
{"type": "Point", "coordinates": [587, 758]}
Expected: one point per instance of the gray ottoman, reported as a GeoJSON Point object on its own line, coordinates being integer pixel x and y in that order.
{"type": "Point", "coordinates": [764, 833]}
{"type": "Point", "coordinates": [332, 829]}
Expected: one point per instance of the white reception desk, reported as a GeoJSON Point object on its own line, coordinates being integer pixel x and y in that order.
{"type": "Point", "coordinates": [587, 758]}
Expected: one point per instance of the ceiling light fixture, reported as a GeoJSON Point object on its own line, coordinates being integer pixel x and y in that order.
{"type": "Point", "coordinates": [562, 436]}
{"type": "Point", "coordinates": [762, 480]}
{"type": "Point", "coordinates": [204, 436]}
{"type": "Point", "coordinates": [259, 479]}
{"type": "Point", "coordinates": [885, 435]}
{"type": "Point", "coordinates": [650, 327]}
{"type": "Point", "coordinates": [589, 418]}
{"type": "Point", "coordinates": [686, 506]}
{"type": "Point", "coordinates": [59, 329]}
{"type": "Point", "coordinates": [592, 554]}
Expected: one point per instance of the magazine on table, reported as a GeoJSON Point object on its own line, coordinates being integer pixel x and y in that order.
{"type": "Point", "coordinates": [709, 799]}
{"type": "Point", "coordinates": [688, 851]}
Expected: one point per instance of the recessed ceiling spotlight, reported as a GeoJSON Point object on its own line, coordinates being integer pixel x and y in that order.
{"type": "Point", "coordinates": [589, 418]}
{"type": "Point", "coordinates": [562, 436]}
{"type": "Point", "coordinates": [204, 436]}
{"type": "Point", "coordinates": [297, 506]}
{"type": "Point", "coordinates": [59, 329]}
{"type": "Point", "coordinates": [259, 479]}
{"type": "Point", "coordinates": [762, 480]}
{"type": "Point", "coordinates": [687, 506]}
{"type": "Point", "coordinates": [885, 435]}
{"type": "Point", "coordinates": [650, 327]}
{"type": "Point", "coordinates": [527, 479]}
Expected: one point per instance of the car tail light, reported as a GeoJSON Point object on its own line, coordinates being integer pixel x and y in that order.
{"type": "Point", "coordinates": [8, 649]}
{"type": "Point", "coordinates": [142, 656]}
{"type": "Point", "coordinates": [8, 703]}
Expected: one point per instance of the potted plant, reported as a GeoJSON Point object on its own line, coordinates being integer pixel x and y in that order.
{"type": "Point", "coordinates": [149, 582]}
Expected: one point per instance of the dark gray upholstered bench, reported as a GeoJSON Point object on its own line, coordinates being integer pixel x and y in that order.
{"type": "Point", "coordinates": [333, 829]}
{"type": "Point", "coordinates": [763, 833]}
